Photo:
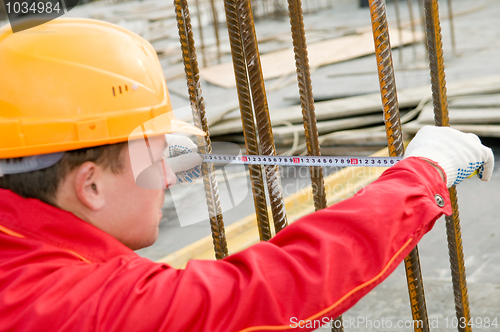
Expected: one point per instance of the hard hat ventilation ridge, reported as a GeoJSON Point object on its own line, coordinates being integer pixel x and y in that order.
{"type": "Point", "coordinates": [119, 89]}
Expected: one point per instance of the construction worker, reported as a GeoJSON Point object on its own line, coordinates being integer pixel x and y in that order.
{"type": "Point", "coordinates": [83, 115]}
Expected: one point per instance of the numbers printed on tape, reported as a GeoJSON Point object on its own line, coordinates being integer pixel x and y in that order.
{"type": "Point", "coordinates": [302, 161]}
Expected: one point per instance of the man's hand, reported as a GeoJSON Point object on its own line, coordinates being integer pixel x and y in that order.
{"type": "Point", "coordinates": [182, 157]}
{"type": "Point", "coordinates": [458, 154]}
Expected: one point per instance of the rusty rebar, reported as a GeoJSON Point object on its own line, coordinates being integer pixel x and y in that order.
{"type": "Point", "coordinates": [436, 63]}
{"type": "Point", "coordinates": [308, 114]}
{"type": "Point", "coordinates": [240, 12]}
{"type": "Point", "coordinates": [400, 31]}
{"type": "Point", "coordinates": [200, 120]}
{"type": "Point", "coordinates": [262, 116]}
{"type": "Point", "coordinates": [306, 99]}
{"type": "Point", "coordinates": [247, 118]}
{"type": "Point", "coordinates": [441, 118]}
{"type": "Point", "coordinates": [416, 291]}
{"type": "Point", "coordinates": [396, 148]}
{"type": "Point", "coordinates": [386, 77]}
{"type": "Point", "coordinates": [413, 30]}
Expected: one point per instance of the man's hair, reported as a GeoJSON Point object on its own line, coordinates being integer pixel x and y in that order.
{"type": "Point", "coordinates": [43, 184]}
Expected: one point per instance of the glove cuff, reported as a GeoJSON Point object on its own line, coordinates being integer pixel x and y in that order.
{"type": "Point", "coordinates": [437, 157]}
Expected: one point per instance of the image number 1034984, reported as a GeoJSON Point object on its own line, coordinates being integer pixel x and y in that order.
{"type": "Point", "coordinates": [27, 14]}
{"type": "Point", "coordinates": [25, 7]}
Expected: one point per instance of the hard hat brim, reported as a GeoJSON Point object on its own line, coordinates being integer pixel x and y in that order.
{"type": "Point", "coordinates": [164, 123]}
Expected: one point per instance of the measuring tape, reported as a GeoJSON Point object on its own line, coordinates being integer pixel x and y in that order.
{"type": "Point", "coordinates": [331, 161]}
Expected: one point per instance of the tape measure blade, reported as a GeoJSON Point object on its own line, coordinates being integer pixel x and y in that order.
{"type": "Point", "coordinates": [327, 161]}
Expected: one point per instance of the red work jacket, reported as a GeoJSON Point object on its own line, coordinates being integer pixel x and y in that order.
{"type": "Point", "coordinates": [59, 273]}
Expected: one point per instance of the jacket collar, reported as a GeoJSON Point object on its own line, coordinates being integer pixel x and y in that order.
{"type": "Point", "coordinates": [36, 220]}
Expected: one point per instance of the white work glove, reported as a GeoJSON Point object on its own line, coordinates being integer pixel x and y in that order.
{"type": "Point", "coordinates": [182, 156]}
{"type": "Point", "coordinates": [459, 154]}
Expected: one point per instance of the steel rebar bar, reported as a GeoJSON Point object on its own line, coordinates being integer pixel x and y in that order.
{"type": "Point", "coordinates": [247, 117]}
{"type": "Point", "coordinates": [396, 148]}
{"type": "Point", "coordinates": [200, 120]}
{"type": "Point", "coordinates": [306, 99]}
{"type": "Point", "coordinates": [240, 12]}
{"type": "Point", "coordinates": [441, 117]}
{"type": "Point", "coordinates": [308, 113]}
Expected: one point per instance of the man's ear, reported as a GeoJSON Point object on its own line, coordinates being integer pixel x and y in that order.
{"type": "Point", "coordinates": [88, 186]}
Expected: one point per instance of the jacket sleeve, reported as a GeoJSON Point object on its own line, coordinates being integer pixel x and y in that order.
{"type": "Point", "coordinates": [314, 269]}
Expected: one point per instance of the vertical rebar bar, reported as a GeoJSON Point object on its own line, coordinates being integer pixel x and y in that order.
{"type": "Point", "coordinates": [452, 27]}
{"type": "Point", "coordinates": [247, 118]}
{"type": "Point", "coordinates": [413, 30]}
{"type": "Point", "coordinates": [215, 18]}
{"type": "Point", "coordinates": [441, 117]}
{"type": "Point", "coordinates": [306, 99]}
{"type": "Point", "coordinates": [200, 120]}
{"type": "Point", "coordinates": [396, 148]}
{"type": "Point", "coordinates": [400, 31]}
{"type": "Point", "coordinates": [241, 12]}
{"type": "Point", "coordinates": [307, 105]}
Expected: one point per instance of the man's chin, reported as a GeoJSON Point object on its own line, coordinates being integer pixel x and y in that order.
{"type": "Point", "coordinates": [149, 241]}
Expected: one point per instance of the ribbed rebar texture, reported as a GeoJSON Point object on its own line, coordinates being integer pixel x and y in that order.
{"type": "Point", "coordinates": [396, 148]}
{"type": "Point", "coordinates": [386, 77]}
{"type": "Point", "coordinates": [247, 118]}
{"type": "Point", "coordinates": [306, 99]}
{"type": "Point", "coordinates": [416, 291]}
{"type": "Point", "coordinates": [441, 117]}
{"type": "Point", "coordinates": [457, 264]}
{"type": "Point", "coordinates": [198, 108]}
{"type": "Point", "coordinates": [249, 41]}
{"type": "Point", "coordinates": [308, 114]}
{"type": "Point", "coordinates": [436, 63]}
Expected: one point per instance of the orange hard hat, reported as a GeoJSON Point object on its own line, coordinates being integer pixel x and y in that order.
{"type": "Point", "coordinates": [77, 83]}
